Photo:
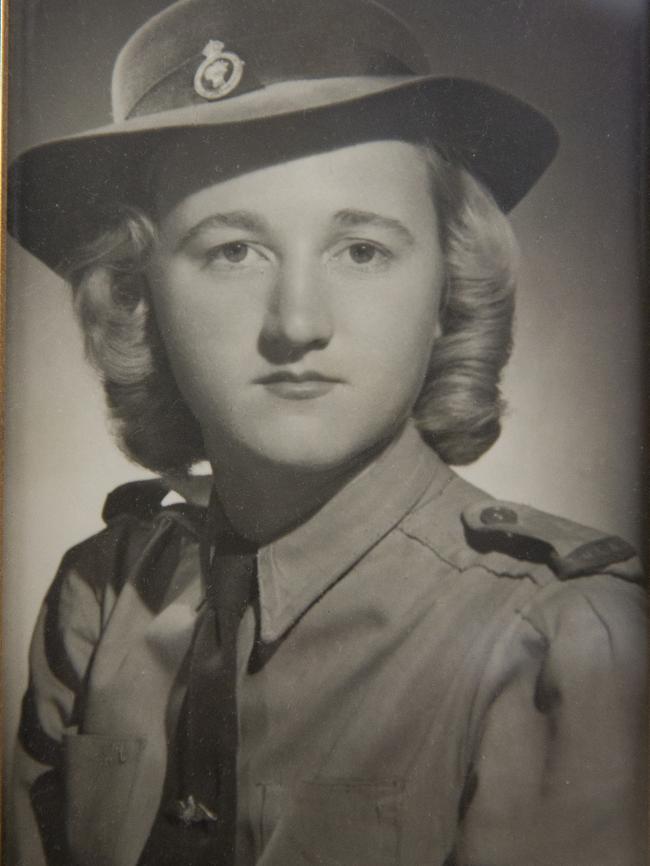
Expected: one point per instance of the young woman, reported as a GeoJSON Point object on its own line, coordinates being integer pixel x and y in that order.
{"type": "Point", "coordinates": [289, 256]}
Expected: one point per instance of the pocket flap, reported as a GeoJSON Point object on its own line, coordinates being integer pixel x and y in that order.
{"type": "Point", "coordinates": [332, 823]}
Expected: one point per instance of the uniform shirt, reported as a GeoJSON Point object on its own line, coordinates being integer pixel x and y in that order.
{"type": "Point", "coordinates": [402, 697]}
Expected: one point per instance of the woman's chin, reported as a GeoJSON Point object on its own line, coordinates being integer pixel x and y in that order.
{"type": "Point", "coordinates": [309, 448]}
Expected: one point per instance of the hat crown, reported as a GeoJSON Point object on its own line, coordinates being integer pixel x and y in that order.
{"type": "Point", "coordinates": [269, 42]}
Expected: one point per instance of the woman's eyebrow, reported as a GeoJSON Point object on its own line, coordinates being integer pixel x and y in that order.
{"type": "Point", "coordinates": [238, 219]}
{"type": "Point", "coordinates": [349, 218]}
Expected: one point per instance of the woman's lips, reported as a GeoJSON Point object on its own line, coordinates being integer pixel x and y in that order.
{"type": "Point", "coordinates": [298, 386]}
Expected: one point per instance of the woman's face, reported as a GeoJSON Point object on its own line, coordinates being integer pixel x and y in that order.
{"type": "Point", "coordinates": [298, 303]}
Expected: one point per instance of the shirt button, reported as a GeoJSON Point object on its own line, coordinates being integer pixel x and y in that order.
{"type": "Point", "coordinates": [497, 514]}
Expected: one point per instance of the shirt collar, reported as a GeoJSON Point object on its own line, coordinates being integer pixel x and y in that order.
{"type": "Point", "coordinates": [295, 570]}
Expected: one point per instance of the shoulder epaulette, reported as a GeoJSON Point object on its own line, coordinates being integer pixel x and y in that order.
{"type": "Point", "coordinates": [138, 498]}
{"type": "Point", "coordinates": [569, 549]}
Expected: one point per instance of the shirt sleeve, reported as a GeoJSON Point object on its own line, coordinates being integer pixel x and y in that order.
{"type": "Point", "coordinates": [560, 764]}
{"type": "Point", "coordinates": [64, 639]}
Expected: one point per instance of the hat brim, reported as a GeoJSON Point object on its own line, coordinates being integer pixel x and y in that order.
{"type": "Point", "coordinates": [57, 191]}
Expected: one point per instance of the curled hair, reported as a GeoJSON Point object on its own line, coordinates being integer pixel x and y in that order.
{"type": "Point", "coordinates": [459, 408]}
{"type": "Point", "coordinates": [153, 423]}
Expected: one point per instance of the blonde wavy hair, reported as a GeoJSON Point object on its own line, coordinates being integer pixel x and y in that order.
{"type": "Point", "coordinates": [459, 408]}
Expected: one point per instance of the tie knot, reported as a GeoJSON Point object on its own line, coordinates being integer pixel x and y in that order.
{"type": "Point", "coordinates": [228, 563]}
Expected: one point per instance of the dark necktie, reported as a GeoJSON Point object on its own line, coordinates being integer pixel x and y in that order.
{"type": "Point", "coordinates": [204, 812]}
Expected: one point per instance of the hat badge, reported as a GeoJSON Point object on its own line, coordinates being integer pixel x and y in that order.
{"type": "Point", "coordinates": [219, 73]}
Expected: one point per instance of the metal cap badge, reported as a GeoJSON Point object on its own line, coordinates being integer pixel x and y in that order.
{"type": "Point", "coordinates": [219, 73]}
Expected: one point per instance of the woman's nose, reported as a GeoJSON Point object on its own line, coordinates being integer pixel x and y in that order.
{"type": "Point", "coordinates": [299, 315]}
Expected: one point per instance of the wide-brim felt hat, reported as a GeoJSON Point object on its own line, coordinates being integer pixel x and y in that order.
{"type": "Point", "coordinates": [265, 81]}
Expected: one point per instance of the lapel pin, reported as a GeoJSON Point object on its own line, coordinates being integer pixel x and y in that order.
{"type": "Point", "coordinates": [190, 811]}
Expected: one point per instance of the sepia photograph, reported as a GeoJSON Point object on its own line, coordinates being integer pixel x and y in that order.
{"type": "Point", "coordinates": [326, 427]}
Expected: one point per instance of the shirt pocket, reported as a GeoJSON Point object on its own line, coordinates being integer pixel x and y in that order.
{"type": "Point", "coordinates": [330, 823]}
{"type": "Point", "coordinates": [99, 774]}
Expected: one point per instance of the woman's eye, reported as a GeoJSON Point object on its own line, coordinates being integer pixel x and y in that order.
{"type": "Point", "coordinates": [362, 253]}
{"type": "Point", "coordinates": [233, 252]}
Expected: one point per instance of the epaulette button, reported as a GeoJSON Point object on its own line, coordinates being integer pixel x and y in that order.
{"type": "Point", "coordinates": [497, 515]}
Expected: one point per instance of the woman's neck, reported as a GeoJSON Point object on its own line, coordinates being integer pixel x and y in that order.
{"type": "Point", "coordinates": [265, 501]}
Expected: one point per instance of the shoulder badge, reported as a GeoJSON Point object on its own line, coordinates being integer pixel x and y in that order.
{"type": "Point", "coordinates": [219, 73]}
{"type": "Point", "coordinates": [568, 548]}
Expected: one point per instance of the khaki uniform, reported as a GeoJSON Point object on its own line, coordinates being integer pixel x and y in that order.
{"type": "Point", "coordinates": [403, 697]}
